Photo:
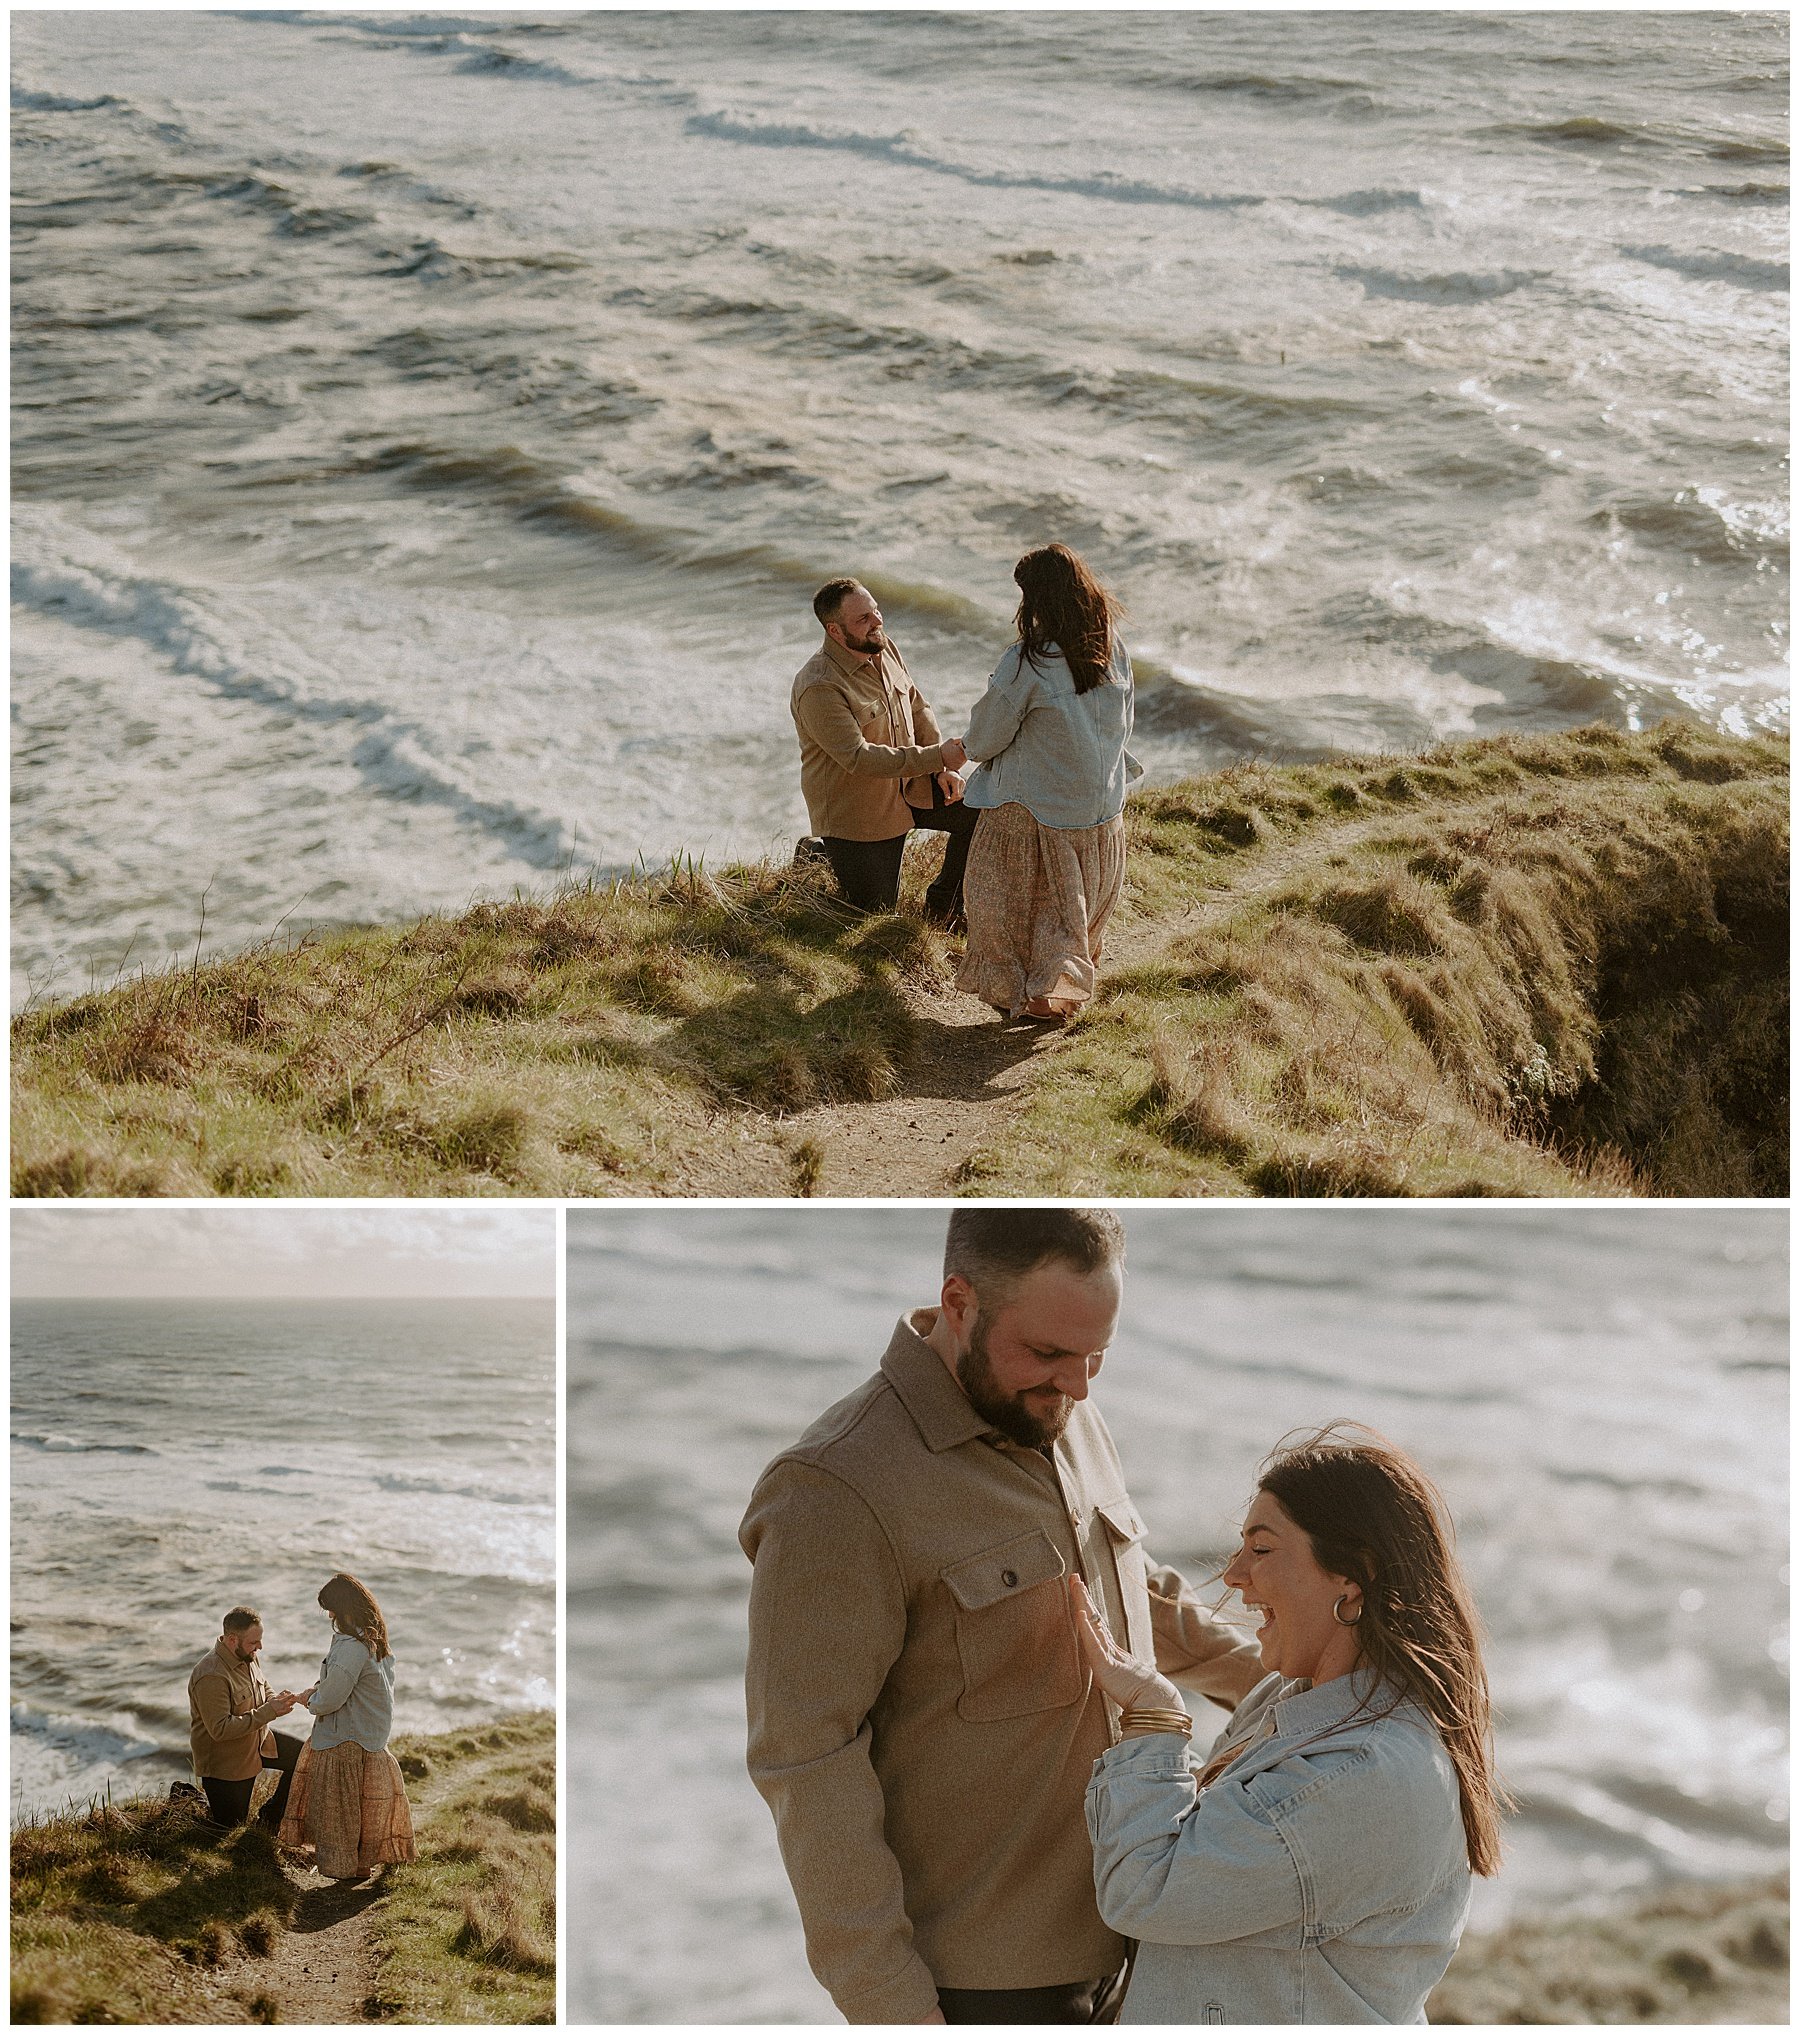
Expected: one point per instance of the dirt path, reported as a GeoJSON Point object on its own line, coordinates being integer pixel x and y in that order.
{"type": "Point", "coordinates": [323, 1965]}
{"type": "Point", "coordinates": [967, 1067]}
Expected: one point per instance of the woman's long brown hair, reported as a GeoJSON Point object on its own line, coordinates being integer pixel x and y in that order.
{"type": "Point", "coordinates": [1372, 1514]}
{"type": "Point", "coordinates": [1062, 603]}
{"type": "Point", "coordinates": [354, 1610]}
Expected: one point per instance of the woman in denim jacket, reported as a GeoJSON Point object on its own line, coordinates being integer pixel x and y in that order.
{"type": "Point", "coordinates": [348, 1800]}
{"type": "Point", "coordinates": [1317, 1867]}
{"type": "Point", "coordinates": [1047, 858]}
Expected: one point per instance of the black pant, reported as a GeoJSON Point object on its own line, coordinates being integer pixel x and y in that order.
{"type": "Point", "coordinates": [229, 1801]}
{"type": "Point", "coordinates": [868, 872]}
{"type": "Point", "coordinates": [1094, 2000]}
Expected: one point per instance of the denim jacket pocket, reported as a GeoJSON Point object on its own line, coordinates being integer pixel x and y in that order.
{"type": "Point", "coordinates": [1014, 1633]}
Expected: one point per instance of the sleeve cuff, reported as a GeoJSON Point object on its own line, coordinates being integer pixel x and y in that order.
{"type": "Point", "coordinates": [909, 1996]}
{"type": "Point", "coordinates": [1156, 1755]}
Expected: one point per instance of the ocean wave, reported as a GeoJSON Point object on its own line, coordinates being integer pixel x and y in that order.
{"type": "Point", "coordinates": [1292, 89]}
{"type": "Point", "coordinates": [897, 148]}
{"type": "Point", "coordinates": [293, 215]}
{"type": "Point", "coordinates": [435, 1487]}
{"type": "Point", "coordinates": [1748, 151]}
{"type": "Point", "coordinates": [1739, 194]}
{"type": "Point", "coordinates": [27, 101]}
{"type": "Point", "coordinates": [1368, 204]}
{"type": "Point", "coordinates": [1439, 289]}
{"type": "Point", "coordinates": [1581, 131]}
{"type": "Point", "coordinates": [395, 754]}
{"type": "Point", "coordinates": [1702, 522]}
{"type": "Point", "coordinates": [541, 493]}
{"type": "Point", "coordinates": [97, 1741]}
{"type": "Point", "coordinates": [67, 1445]}
{"type": "Point", "coordinates": [1715, 266]}
{"type": "Point", "coordinates": [1220, 411]}
{"type": "Point", "coordinates": [506, 63]}
{"type": "Point", "coordinates": [431, 261]}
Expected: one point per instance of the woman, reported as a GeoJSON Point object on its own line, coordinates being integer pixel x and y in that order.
{"type": "Point", "coordinates": [1317, 1867]}
{"type": "Point", "coordinates": [348, 1800]}
{"type": "Point", "coordinates": [1049, 734]}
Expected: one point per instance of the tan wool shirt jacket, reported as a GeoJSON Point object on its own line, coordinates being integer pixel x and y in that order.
{"type": "Point", "coordinates": [867, 739]}
{"type": "Point", "coordinates": [922, 1723]}
{"type": "Point", "coordinates": [230, 1707]}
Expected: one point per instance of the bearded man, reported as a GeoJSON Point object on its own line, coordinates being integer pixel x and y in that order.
{"type": "Point", "coordinates": [230, 1709]}
{"type": "Point", "coordinates": [922, 1719]}
{"type": "Point", "coordinates": [873, 765]}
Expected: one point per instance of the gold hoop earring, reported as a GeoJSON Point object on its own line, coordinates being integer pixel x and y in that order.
{"type": "Point", "coordinates": [1337, 1608]}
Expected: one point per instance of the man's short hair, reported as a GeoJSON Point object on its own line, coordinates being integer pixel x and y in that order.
{"type": "Point", "coordinates": [240, 1618]}
{"type": "Point", "coordinates": [832, 596]}
{"type": "Point", "coordinates": [994, 1248]}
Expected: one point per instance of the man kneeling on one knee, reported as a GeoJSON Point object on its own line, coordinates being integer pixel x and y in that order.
{"type": "Point", "coordinates": [230, 1709]}
{"type": "Point", "coordinates": [872, 764]}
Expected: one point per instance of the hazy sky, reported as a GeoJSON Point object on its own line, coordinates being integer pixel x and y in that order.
{"type": "Point", "coordinates": [282, 1253]}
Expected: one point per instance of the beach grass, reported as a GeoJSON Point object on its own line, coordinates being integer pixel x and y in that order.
{"type": "Point", "coordinates": [1541, 965]}
{"type": "Point", "coordinates": [143, 1911]}
{"type": "Point", "coordinates": [118, 1912]}
{"type": "Point", "coordinates": [1545, 964]}
{"type": "Point", "coordinates": [1715, 1955]}
{"type": "Point", "coordinates": [467, 1931]}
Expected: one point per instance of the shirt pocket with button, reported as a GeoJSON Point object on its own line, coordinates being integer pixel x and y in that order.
{"type": "Point", "coordinates": [1014, 1632]}
{"type": "Point", "coordinates": [1125, 1537]}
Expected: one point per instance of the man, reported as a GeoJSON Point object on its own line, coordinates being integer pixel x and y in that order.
{"type": "Point", "coordinates": [922, 1722]}
{"type": "Point", "coordinates": [230, 1708]}
{"type": "Point", "coordinates": [872, 765]}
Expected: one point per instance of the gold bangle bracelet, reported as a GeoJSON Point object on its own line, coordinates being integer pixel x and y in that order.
{"type": "Point", "coordinates": [1156, 1720]}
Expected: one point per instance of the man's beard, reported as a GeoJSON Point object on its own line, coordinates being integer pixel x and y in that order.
{"type": "Point", "coordinates": [867, 646]}
{"type": "Point", "coordinates": [1007, 1412]}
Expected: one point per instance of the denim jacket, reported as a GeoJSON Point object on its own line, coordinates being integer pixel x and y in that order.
{"type": "Point", "coordinates": [1042, 744]}
{"type": "Point", "coordinates": [354, 1701]}
{"type": "Point", "coordinates": [1322, 1876]}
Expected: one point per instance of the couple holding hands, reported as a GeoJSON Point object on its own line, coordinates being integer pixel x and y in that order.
{"type": "Point", "coordinates": [338, 1793]}
{"type": "Point", "coordinates": [968, 1691]}
{"type": "Point", "coordinates": [1035, 859]}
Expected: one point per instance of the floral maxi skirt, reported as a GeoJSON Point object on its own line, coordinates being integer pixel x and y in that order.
{"type": "Point", "coordinates": [1037, 900]}
{"type": "Point", "coordinates": [350, 1805]}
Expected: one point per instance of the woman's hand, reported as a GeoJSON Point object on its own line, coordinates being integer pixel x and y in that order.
{"type": "Point", "coordinates": [1132, 1684]}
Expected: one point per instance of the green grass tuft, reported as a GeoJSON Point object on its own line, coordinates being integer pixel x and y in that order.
{"type": "Point", "coordinates": [467, 1931]}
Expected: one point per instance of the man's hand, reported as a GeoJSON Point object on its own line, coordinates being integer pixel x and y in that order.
{"type": "Point", "coordinates": [1132, 1684]}
{"type": "Point", "coordinates": [954, 754]}
{"type": "Point", "coordinates": [951, 785]}
{"type": "Point", "coordinates": [935, 2019]}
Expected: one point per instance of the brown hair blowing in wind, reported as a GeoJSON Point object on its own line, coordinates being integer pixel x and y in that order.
{"type": "Point", "coordinates": [354, 1610]}
{"type": "Point", "coordinates": [1371, 1513]}
{"type": "Point", "coordinates": [1061, 603]}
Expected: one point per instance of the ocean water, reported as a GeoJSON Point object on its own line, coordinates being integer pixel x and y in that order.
{"type": "Point", "coordinates": [1601, 1393]}
{"type": "Point", "coordinates": [428, 429]}
{"type": "Point", "coordinates": [173, 1458]}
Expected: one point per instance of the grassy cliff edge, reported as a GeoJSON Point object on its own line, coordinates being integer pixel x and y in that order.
{"type": "Point", "coordinates": [143, 1911]}
{"type": "Point", "coordinates": [1545, 964]}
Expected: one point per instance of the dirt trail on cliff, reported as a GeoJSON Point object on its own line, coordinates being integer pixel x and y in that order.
{"type": "Point", "coordinates": [966, 1068]}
